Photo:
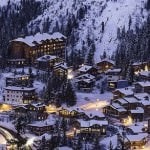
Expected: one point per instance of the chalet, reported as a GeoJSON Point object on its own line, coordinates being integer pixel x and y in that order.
{"type": "Point", "coordinates": [93, 127]}
{"type": "Point", "coordinates": [18, 80]}
{"type": "Point", "coordinates": [144, 76]}
{"type": "Point", "coordinates": [16, 62]}
{"type": "Point", "coordinates": [115, 110]}
{"type": "Point", "coordinates": [105, 65]}
{"type": "Point", "coordinates": [70, 112]}
{"type": "Point", "coordinates": [85, 82]}
{"type": "Point", "coordinates": [137, 114]}
{"type": "Point", "coordinates": [19, 95]}
{"type": "Point", "coordinates": [20, 111]}
{"type": "Point", "coordinates": [132, 103]}
{"type": "Point", "coordinates": [37, 112]}
{"type": "Point", "coordinates": [47, 62]}
{"type": "Point", "coordinates": [40, 128]}
{"type": "Point", "coordinates": [34, 46]}
{"type": "Point", "coordinates": [141, 87]}
{"type": "Point", "coordinates": [85, 85]}
{"type": "Point", "coordinates": [113, 74]}
{"type": "Point", "coordinates": [136, 141]}
{"type": "Point", "coordinates": [85, 69]}
{"type": "Point", "coordinates": [144, 100]}
{"type": "Point", "coordinates": [124, 92]}
{"type": "Point", "coordinates": [91, 115]}
{"type": "Point", "coordinates": [136, 128]}
{"type": "Point", "coordinates": [112, 85]}
{"type": "Point", "coordinates": [140, 66]}
{"type": "Point", "coordinates": [61, 70]}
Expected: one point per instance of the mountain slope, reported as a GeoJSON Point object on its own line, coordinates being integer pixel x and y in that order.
{"type": "Point", "coordinates": [115, 14]}
{"type": "Point", "coordinates": [97, 20]}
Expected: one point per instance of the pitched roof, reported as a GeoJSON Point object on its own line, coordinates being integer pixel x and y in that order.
{"type": "Point", "coordinates": [39, 37]}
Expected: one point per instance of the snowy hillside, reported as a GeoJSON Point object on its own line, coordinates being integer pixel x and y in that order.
{"type": "Point", "coordinates": [113, 14]}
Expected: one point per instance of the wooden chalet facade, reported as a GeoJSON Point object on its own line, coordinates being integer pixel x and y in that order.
{"type": "Point", "coordinates": [85, 69]}
{"type": "Point", "coordinates": [93, 127]}
{"type": "Point", "coordinates": [85, 82]}
{"type": "Point", "coordinates": [115, 110]}
{"type": "Point", "coordinates": [18, 80]}
{"type": "Point", "coordinates": [136, 141]}
{"type": "Point", "coordinates": [141, 87]}
{"type": "Point", "coordinates": [61, 70]}
{"type": "Point", "coordinates": [124, 92]}
{"type": "Point", "coordinates": [40, 128]}
{"type": "Point", "coordinates": [47, 62]}
{"type": "Point", "coordinates": [32, 47]}
{"type": "Point", "coordinates": [37, 112]}
{"type": "Point", "coordinates": [104, 65]}
{"type": "Point", "coordinates": [141, 66]}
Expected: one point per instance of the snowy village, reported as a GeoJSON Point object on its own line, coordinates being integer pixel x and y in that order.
{"type": "Point", "coordinates": [62, 90]}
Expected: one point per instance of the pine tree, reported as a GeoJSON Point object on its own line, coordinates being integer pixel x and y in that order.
{"type": "Point", "coordinates": [70, 96]}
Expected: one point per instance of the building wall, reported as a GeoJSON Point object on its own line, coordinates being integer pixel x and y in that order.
{"type": "Point", "coordinates": [21, 50]}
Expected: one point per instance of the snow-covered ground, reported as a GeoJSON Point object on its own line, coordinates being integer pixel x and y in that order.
{"type": "Point", "coordinates": [114, 15]}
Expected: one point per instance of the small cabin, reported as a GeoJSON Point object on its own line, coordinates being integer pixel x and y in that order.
{"type": "Point", "coordinates": [47, 62]}
{"type": "Point", "coordinates": [61, 70]}
{"type": "Point", "coordinates": [104, 65]}
{"type": "Point", "coordinates": [141, 87]}
{"type": "Point", "coordinates": [85, 69]}
{"type": "Point", "coordinates": [40, 128]}
{"type": "Point", "coordinates": [136, 141]}
{"type": "Point", "coordinates": [115, 110]}
{"type": "Point", "coordinates": [123, 92]}
{"type": "Point", "coordinates": [93, 127]}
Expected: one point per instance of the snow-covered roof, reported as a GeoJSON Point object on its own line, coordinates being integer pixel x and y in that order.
{"type": "Point", "coordinates": [122, 101]}
{"type": "Point", "coordinates": [39, 37]}
{"type": "Point", "coordinates": [46, 58]}
{"type": "Point", "coordinates": [144, 84]}
{"type": "Point", "coordinates": [138, 63]}
{"type": "Point", "coordinates": [137, 110]}
{"type": "Point", "coordinates": [86, 76]}
{"type": "Point", "coordinates": [136, 137]}
{"type": "Point", "coordinates": [39, 124]}
{"type": "Point", "coordinates": [17, 76]}
{"type": "Point", "coordinates": [145, 73]}
{"type": "Point", "coordinates": [85, 68]}
{"type": "Point", "coordinates": [63, 148]}
{"type": "Point", "coordinates": [90, 123]}
{"type": "Point", "coordinates": [15, 88]}
{"type": "Point", "coordinates": [131, 99]}
{"type": "Point", "coordinates": [125, 91]}
{"type": "Point", "coordinates": [106, 60]}
{"type": "Point", "coordinates": [93, 113]}
{"type": "Point", "coordinates": [118, 107]}
{"type": "Point", "coordinates": [136, 128]}
{"type": "Point", "coordinates": [38, 105]}
{"type": "Point", "coordinates": [117, 70]}
{"type": "Point", "coordinates": [62, 65]}
{"type": "Point", "coordinates": [141, 96]}
{"type": "Point", "coordinates": [85, 80]}
{"type": "Point", "coordinates": [145, 102]}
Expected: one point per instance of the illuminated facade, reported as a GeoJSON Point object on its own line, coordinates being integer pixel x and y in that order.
{"type": "Point", "coordinates": [32, 47]}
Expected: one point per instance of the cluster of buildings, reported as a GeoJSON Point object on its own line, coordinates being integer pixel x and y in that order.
{"type": "Point", "coordinates": [47, 53]}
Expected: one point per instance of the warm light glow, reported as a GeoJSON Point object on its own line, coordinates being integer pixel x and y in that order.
{"type": "Point", "coordinates": [70, 76]}
{"type": "Point", "coordinates": [5, 107]}
{"type": "Point", "coordinates": [95, 105]}
{"type": "Point", "coordinates": [146, 68]}
{"type": "Point", "coordinates": [51, 109]}
{"type": "Point", "coordinates": [30, 141]}
{"type": "Point", "coordinates": [128, 121]}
